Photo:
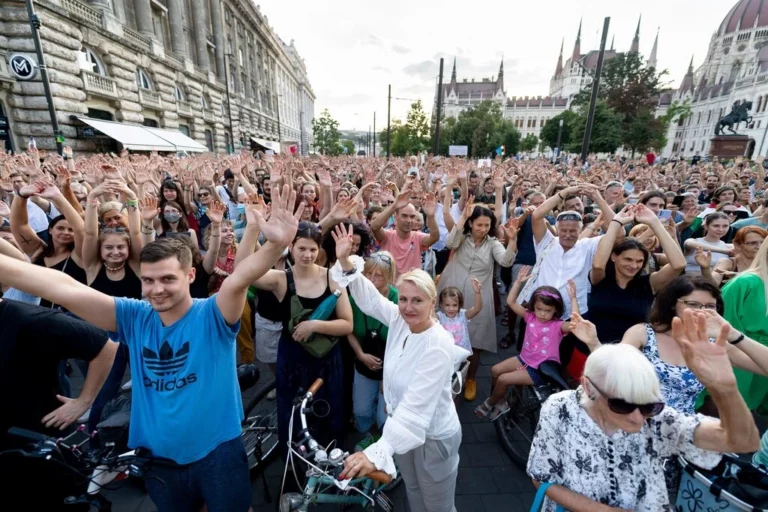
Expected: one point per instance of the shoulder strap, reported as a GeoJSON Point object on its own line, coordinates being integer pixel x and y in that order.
{"type": "Point", "coordinates": [290, 281]}
{"type": "Point", "coordinates": [328, 278]}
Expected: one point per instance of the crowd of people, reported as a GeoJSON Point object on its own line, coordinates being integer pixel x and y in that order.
{"type": "Point", "coordinates": [646, 284]}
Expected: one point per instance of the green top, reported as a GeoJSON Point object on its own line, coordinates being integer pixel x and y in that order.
{"type": "Point", "coordinates": [362, 322]}
{"type": "Point", "coordinates": [744, 298]}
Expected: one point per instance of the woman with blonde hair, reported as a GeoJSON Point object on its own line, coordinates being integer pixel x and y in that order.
{"type": "Point", "coordinates": [422, 432]}
{"type": "Point", "coordinates": [746, 308]}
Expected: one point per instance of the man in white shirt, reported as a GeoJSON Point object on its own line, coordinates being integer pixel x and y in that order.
{"type": "Point", "coordinates": [39, 210]}
{"type": "Point", "coordinates": [562, 257]}
{"type": "Point", "coordinates": [229, 196]}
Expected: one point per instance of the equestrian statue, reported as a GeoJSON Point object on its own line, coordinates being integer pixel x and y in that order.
{"type": "Point", "coordinates": [739, 113]}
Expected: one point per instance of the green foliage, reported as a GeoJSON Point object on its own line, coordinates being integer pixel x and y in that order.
{"type": "Point", "coordinates": [481, 128]}
{"type": "Point", "coordinates": [529, 143]}
{"type": "Point", "coordinates": [408, 138]}
{"type": "Point", "coordinates": [606, 130]}
{"type": "Point", "coordinates": [348, 145]}
{"type": "Point", "coordinates": [548, 134]}
{"type": "Point", "coordinates": [326, 132]}
{"type": "Point", "coordinates": [674, 113]}
{"type": "Point", "coordinates": [631, 90]}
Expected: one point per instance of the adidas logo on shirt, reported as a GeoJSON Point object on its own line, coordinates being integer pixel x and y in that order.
{"type": "Point", "coordinates": [166, 365]}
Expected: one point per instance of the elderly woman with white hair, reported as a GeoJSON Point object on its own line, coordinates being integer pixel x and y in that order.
{"type": "Point", "coordinates": [422, 432]}
{"type": "Point", "coordinates": [601, 446]}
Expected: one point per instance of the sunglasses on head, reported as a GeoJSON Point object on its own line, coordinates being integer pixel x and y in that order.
{"type": "Point", "coordinates": [383, 257]}
{"type": "Point", "coordinates": [569, 216]}
{"type": "Point", "coordinates": [113, 230]}
{"type": "Point", "coordinates": [623, 407]}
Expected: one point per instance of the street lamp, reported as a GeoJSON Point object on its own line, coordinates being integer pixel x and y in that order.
{"type": "Point", "coordinates": [559, 138]}
{"type": "Point", "coordinates": [227, 56]}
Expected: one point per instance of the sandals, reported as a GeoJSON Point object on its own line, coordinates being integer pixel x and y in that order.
{"type": "Point", "coordinates": [482, 410]}
{"type": "Point", "coordinates": [499, 410]}
{"type": "Point", "coordinates": [505, 342]}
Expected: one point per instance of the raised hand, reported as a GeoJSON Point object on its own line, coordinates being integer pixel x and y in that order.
{"type": "Point", "coordinates": [571, 287]}
{"type": "Point", "coordinates": [584, 330]}
{"type": "Point", "coordinates": [469, 209]}
{"type": "Point", "coordinates": [708, 361]}
{"type": "Point", "coordinates": [282, 225]}
{"type": "Point", "coordinates": [215, 212]}
{"type": "Point", "coordinates": [523, 275]}
{"type": "Point", "coordinates": [47, 189]}
{"type": "Point", "coordinates": [691, 215]}
{"type": "Point", "coordinates": [644, 215]}
{"type": "Point", "coordinates": [703, 258]}
{"type": "Point", "coordinates": [510, 228]}
{"type": "Point", "coordinates": [430, 204]}
{"type": "Point", "coordinates": [626, 215]}
{"type": "Point", "coordinates": [111, 172]}
{"type": "Point", "coordinates": [149, 209]}
{"type": "Point", "coordinates": [324, 177]}
{"type": "Point", "coordinates": [403, 198]}
{"type": "Point", "coordinates": [477, 286]}
{"type": "Point", "coordinates": [343, 238]}
{"type": "Point", "coordinates": [5, 211]}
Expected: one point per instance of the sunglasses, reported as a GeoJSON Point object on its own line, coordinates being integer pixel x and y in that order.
{"type": "Point", "coordinates": [623, 407]}
{"type": "Point", "coordinates": [569, 216]}
{"type": "Point", "coordinates": [203, 194]}
{"type": "Point", "coordinates": [383, 257]}
{"type": "Point", "coordinates": [730, 212]}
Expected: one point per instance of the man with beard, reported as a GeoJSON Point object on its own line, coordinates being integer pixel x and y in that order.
{"type": "Point", "coordinates": [186, 403]}
{"type": "Point", "coordinates": [712, 183]}
{"type": "Point", "coordinates": [403, 242]}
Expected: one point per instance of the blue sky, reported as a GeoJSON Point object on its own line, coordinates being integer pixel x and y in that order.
{"type": "Point", "coordinates": [353, 50]}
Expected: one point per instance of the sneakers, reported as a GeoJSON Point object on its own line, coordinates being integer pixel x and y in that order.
{"type": "Point", "coordinates": [470, 390]}
{"type": "Point", "coordinates": [272, 394]}
{"type": "Point", "coordinates": [367, 441]}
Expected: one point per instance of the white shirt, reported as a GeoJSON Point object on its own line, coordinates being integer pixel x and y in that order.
{"type": "Point", "coordinates": [558, 266]}
{"type": "Point", "coordinates": [231, 204]}
{"type": "Point", "coordinates": [417, 379]}
{"type": "Point", "coordinates": [38, 220]}
{"type": "Point", "coordinates": [440, 244]}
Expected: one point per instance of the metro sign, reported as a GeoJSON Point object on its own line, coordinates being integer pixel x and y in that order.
{"type": "Point", "coordinates": [22, 66]}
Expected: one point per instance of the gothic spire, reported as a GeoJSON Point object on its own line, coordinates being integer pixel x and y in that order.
{"type": "Point", "coordinates": [559, 68]}
{"type": "Point", "coordinates": [613, 40]}
{"type": "Point", "coordinates": [635, 48]}
{"type": "Point", "coordinates": [453, 73]}
{"type": "Point", "coordinates": [652, 63]}
{"type": "Point", "coordinates": [500, 78]}
{"type": "Point", "coordinates": [577, 45]}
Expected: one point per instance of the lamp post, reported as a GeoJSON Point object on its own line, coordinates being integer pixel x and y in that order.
{"type": "Point", "coordinates": [595, 90]}
{"type": "Point", "coordinates": [34, 22]}
{"type": "Point", "coordinates": [559, 138]}
{"type": "Point", "coordinates": [231, 147]}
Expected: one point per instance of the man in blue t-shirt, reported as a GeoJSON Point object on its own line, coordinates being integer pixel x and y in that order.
{"type": "Point", "coordinates": [186, 400]}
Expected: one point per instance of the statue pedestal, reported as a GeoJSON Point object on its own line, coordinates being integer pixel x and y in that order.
{"type": "Point", "coordinates": [728, 146]}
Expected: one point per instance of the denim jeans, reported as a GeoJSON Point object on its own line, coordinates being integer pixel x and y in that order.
{"type": "Point", "coordinates": [368, 403]}
{"type": "Point", "coordinates": [220, 480]}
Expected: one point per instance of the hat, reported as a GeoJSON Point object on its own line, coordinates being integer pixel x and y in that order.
{"type": "Point", "coordinates": [228, 175]}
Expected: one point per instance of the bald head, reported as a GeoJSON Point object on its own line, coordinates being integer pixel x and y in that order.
{"type": "Point", "coordinates": [405, 217]}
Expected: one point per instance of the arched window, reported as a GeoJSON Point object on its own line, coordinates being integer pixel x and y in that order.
{"type": "Point", "coordinates": [204, 103]}
{"type": "Point", "coordinates": [98, 65]}
{"type": "Point", "coordinates": [178, 93]}
{"type": "Point", "coordinates": [142, 79]}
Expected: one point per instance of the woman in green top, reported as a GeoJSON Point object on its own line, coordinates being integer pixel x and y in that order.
{"type": "Point", "coordinates": [368, 341]}
{"type": "Point", "coordinates": [746, 310]}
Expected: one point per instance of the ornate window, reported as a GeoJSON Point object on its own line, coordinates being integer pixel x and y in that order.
{"type": "Point", "coordinates": [142, 79]}
{"type": "Point", "coordinates": [204, 103]}
{"type": "Point", "coordinates": [98, 65]}
{"type": "Point", "coordinates": [178, 93]}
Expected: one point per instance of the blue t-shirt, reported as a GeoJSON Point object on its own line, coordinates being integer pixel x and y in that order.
{"type": "Point", "coordinates": [186, 398]}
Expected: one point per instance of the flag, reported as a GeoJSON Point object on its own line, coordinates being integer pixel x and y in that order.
{"type": "Point", "coordinates": [500, 150]}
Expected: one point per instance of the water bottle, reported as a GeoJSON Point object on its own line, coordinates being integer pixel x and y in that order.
{"type": "Point", "coordinates": [32, 146]}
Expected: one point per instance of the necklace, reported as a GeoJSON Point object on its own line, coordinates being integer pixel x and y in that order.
{"type": "Point", "coordinates": [114, 269]}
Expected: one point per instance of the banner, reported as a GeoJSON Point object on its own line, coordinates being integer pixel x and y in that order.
{"type": "Point", "coordinates": [458, 150]}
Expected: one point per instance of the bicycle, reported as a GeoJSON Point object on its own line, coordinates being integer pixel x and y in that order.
{"type": "Point", "coordinates": [516, 428]}
{"type": "Point", "coordinates": [260, 436]}
{"type": "Point", "coordinates": [323, 469]}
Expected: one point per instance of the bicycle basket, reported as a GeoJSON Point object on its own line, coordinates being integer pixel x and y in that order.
{"type": "Point", "coordinates": [732, 485]}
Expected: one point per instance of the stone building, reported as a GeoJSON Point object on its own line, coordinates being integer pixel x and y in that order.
{"type": "Point", "coordinates": [213, 70]}
{"type": "Point", "coordinates": [735, 69]}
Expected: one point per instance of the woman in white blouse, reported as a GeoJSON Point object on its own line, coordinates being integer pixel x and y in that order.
{"type": "Point", "coordinates": [602, 446]}
{"type": "Point", "coordinates": [422, 432]}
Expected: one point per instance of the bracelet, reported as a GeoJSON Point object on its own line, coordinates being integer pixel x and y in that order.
{"type": "Point", "coordinates": [738, 340]}
{"type": "Point", "coordinates": [618, 222]}
{"type": "Point", "coordinates": [132, 202]}
{"type": "Point", "coordinates": [561, 197]}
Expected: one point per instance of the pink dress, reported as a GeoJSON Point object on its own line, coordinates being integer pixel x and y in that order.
{"type": "Point", "coordinates": [542, 341]}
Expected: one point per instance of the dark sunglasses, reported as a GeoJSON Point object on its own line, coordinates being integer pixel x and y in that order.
{"type": "Point", "coordinates": [623, 407]}
{"type": "Point", "coordinates": [203, 194]}
{"type": "Point", "coordinates": [114, 230]}
{"type": "Point", "coordinates": [383, 257]}
{"type": "Point", "coordinates": [569, 216]}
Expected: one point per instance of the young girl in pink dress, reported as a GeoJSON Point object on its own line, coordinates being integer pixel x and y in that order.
{"type": "Point", "coordinates": [454, 318]}
{"type": "Point", "coordinates": [543, 333]}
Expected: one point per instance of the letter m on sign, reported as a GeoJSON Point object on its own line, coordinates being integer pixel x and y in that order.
{"type": "Point", "coordinates": [21, 67]}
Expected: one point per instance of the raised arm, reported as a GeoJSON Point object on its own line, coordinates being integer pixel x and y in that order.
{"type": "Point", "coordinates": [377, 225]}
{"type": "Point", "coordinates": [522, 277]}
{"type": "Point", "coordinates": [538, 220]}
{"type": "Point", "coordinates": [90, 254]}
{"type": "Point", "coordinates": [149, 212]}
{"type": "Point", "coordinates": [429, 207]}
{"type": "Point", "coordinates": [20, 228]}
{"type": "Point", "coordinates": [279, 232]}
{"type": "Point", "coordinates": [605, 247]}
{"type": "Point", "coordinates": [56, 286]}
{"type": "Point", "coordinates": [478, 289]}
{"type": "Point", "coordinates": [216, 215]}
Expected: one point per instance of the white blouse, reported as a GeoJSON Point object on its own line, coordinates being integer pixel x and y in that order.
{"type": "Point", "coordinates": [417, 377]}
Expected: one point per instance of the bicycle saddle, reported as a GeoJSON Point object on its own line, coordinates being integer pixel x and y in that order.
{"type": "Point", "coordinates": [552, 371]}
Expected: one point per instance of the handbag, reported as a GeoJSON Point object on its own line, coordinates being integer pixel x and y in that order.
{"type": "Point", "coordinates": [318, 345]}
{"type": "Point", "coordinates": [538, 501]}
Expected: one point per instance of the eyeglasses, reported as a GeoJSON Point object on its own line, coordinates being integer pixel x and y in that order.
{"type": "Point", "coordinates": [569, 216]}
{"type": "Point", "coordinates": [730, 212]}
{"type": "Point", "coordinates": [623, 407]}
{"type": "Point", "coordinates": [383, 257]}
{"type": "Point", "coordinates": [698, 305]}
{"type": "Point", "coordinates": [753, 244]}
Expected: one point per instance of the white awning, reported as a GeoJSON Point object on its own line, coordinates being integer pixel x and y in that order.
{"type": "Point", "coordinates": [269, 144]}
{"type": "Point", "coordinates": [178, 139]}
{"type": "Point", "coordinates": [133, 137]}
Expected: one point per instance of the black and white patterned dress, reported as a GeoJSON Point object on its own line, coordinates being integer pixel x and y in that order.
{"type": "Point", "coordinates": [623, 470]}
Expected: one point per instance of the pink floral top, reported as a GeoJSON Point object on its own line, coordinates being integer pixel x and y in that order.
{"type": "Point", "coordinates": [542, 341]}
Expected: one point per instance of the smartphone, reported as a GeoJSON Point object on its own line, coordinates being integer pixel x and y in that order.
{"type": "Point", "coordinates": [588, 210]}
{"type": "Point", "coordinates": [75, 440]}
{"type": "Point", "coordinates": [678, 201]}
{"type": "Point", "coordinates": [665, 214]}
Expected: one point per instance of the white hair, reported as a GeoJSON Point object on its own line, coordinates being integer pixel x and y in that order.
{"type": "Point", "coordinates": [622, 371]}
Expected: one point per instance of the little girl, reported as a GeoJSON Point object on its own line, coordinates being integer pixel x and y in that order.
{"type": "Point", "coordinates": [543, 333]}
{"type": "Point", "coordinates": [456, 320]}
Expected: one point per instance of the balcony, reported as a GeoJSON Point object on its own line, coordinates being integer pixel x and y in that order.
{"type": "Point", "coordinates": [183, 108]}
{"type": "Point", "coordinates": [82, 11]}
{"type": "Point", "coordinates": [136, 38]}
{"type": "Point", "coordinates": [99, 85]}
{"type": "Point", "coordinates": [150, 99]}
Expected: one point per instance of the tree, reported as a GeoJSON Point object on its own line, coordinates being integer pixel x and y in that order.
{"type": "Point", "coordinates": [548, 134]}
{"type": "Point", "coordinates": [326, 132]}
{"type": "Point", "coordinates": [529, 143]}
{"type": "Point", "coordinates": [675, 113]}
{"type": "Point", "coordinates": [632, 91]}
{"type": "Point", "coordinates": [606, 130]}
{"type": "Point", "coordinates": [348, 147]}
{"type": "Point", "coordinates": [416, 128]}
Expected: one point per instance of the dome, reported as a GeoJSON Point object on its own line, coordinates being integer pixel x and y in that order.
{"type": "Point", "coordinates": [745, 14]}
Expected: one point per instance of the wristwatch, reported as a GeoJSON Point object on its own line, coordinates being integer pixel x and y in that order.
{"type": "Point", "coordinates": [349, 272]}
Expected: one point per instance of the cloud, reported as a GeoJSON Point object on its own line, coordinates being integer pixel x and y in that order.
{"type": "Point", "coordinates": [425, 69]}
{"type": "Point", "coordinates": [382, 69]}
{"type": "Point", "coordinates": [373, 40]}
{"type": "Point", "coordinates": [419, 89]}
{"type": "Point", "coordinates": [400, 49]}
{"type": "Point", "coordinates": [334, 98]}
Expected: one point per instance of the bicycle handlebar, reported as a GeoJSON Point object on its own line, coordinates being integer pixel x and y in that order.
{"type": "Point", "coordinates": [380, 476]}
{"type": "Point", "coordinates": [29, 435]}
{"type": "Point", "coordinates": [315, 387]}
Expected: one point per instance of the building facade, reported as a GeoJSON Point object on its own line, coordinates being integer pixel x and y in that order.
{"type": "Point", "coordinates": [531, 114]}
{"type": "Point", "coordinates": [213, 70]}
{"type": "Point", "coordinates": [735, 70]}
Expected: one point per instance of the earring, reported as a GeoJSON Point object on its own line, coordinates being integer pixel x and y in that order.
{"type": "Point", "coordinates": [593, 397]}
